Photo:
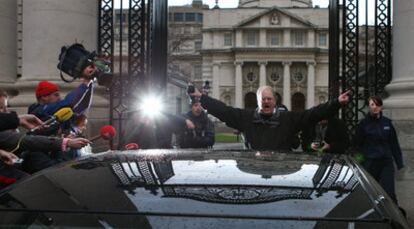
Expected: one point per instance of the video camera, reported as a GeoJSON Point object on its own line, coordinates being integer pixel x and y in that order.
{"type": "Point", "coordinates": [75, 58]}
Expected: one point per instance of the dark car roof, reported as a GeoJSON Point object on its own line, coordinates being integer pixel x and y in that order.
{"type": "Point", "coordinates": [198, 189]}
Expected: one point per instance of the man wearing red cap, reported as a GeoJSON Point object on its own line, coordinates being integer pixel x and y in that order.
{"type": "Point", "coordinates": [49, 100]}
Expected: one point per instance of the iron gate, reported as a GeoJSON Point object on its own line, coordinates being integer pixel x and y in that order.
{"type": "Point", "coordinates": [143, 35]}
{"type": "Point", "coordinates": [359, 52]}
{"type": "Point", "coordinates": [363, 51]}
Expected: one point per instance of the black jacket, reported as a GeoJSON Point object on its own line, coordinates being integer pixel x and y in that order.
{"type": "Point", "coordinates": [8, 121]}
{"type": "Point", "coordinates": [11, 140]}
{"type": "Point", "coordinates": [268, 133]}
{"type": "Point", "coordinates": [336, 135]}
{"type": "Point", "coordinates": [203, 134]}
{"type": "Point", "coordinates": [376, 138]}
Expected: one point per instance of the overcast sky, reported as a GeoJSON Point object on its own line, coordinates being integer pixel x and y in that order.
{"type": "Point", "coordinates": [232, 3]}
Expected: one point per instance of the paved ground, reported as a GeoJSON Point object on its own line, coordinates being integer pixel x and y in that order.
{"type": "Point", "coordinates": [404, 178]}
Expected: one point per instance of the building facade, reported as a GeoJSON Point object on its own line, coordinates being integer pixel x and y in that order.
{"type": "Point", "coordinates": [283, 44]}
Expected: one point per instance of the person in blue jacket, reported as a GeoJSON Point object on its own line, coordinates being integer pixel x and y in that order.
{"type": "Point", "coordinates": [49, 100]}
{"type": "Point", "coordinates": [377, 140]}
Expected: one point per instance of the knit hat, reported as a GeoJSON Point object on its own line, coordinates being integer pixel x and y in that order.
{"type": "Point", "coordinates": [45, 88]}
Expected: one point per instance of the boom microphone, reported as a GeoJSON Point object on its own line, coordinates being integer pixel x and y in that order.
{"type": "Point", "coordinates": [62, 115]}
{"type": "Point", "coordinates": [106, 132]}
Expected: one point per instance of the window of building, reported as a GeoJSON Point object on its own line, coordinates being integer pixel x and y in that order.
{"type": "Point", "coordinates": [274, 39]}
{"type": "Point", "coordinates": [178, 17]}
{"type": "Point", "coordinates": [299, 73]}
{"type": "Point", "coordinates": [299, 38]}
{"type": "Point", "coordinates": [197, 71]}
{"type": "Point", "coordinates": [190, 17]}
{"type": "Point", "coordinates": [298, 76]}
{"type": "Point", "coordinates": [251, 38]}
{"type": "Point", "coordinates": [251, 77]}
{"type": "Point", "coordinates": [197, 45]}
{"type": "Point", "coordinates": [323, 39]}
{"type": "Point", "coordinates": [275, 76]}
{"type": "Point", "coordinates": [200, 17]}
{"type": "Point", "coordinates": [228, 39]}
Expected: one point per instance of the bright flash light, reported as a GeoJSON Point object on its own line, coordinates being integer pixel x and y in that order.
{"type": "Point", "coordinates": [151, 106]}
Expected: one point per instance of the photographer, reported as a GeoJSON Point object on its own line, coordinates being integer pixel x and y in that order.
{"type": "Point", "coordinates": [79, 64]}
{"type": "Point", "coordinates": [201, 135]}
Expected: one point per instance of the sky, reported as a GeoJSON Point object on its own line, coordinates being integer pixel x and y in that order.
{"type": "Point", "coordinates": [232, 3]}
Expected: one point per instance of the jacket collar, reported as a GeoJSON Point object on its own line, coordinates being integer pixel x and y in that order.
{"type": "Point", "coordinates": [272, 120]}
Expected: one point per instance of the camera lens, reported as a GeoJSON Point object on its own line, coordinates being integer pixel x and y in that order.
{"type": "Point", "coordinates": [190, 89]}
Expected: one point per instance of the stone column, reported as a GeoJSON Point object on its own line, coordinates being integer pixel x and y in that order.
{"type": "Point", "coordinates": [262, 38]}
{"type": "Point", "coordinates": [286, 84]}
{"type": "Point", "coordinates": [311, 39]}
{"type": "Point", "coordinates": [217, 40]}
{"type": "Point", "coordinates": [400, 105]}
{"type": "Point", "coordinates": [216, 80]}
{"type": "Point", "coordinates": [311, 85]}
{"type": "Point", "coordinates": [67, 22]}
{"type": "Point", "coordinates": [262, 76]}
{"type": "Point", "coordinates": [239, 38]}
{"type": "Point", "coordinates": [238, 84]}
{"type": "Point", "coordinates": [8, 41]}
{"type": "Point", "coordinates": [286, 38]}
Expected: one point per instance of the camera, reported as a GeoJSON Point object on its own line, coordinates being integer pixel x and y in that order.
{"type": "Point", "coordinates": [75, 58]}
{"type": "Point", "coordinates": [190, 90]}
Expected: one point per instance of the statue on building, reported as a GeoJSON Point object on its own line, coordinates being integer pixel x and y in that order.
{"type": "Point", "coordinates": [274, 19]}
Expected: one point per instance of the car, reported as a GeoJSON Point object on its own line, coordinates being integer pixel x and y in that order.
{"type": "Point", "coordinates": [200, 189]}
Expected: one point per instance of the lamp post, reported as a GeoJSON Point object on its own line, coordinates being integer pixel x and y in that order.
{"type": "Point", "coordinates": [206, 87]}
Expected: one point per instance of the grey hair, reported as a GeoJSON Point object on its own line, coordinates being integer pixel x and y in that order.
{"type": "Point", "coordinates": [259, 93]}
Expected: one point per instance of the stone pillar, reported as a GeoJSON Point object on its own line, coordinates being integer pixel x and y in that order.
{"type": "Point", "coordinates": [239, 38]}
{"type": "Point", "coordinates": [208, 40]}
{"type": "Point", "coordinates": [286, 84]}
{"type": "Point", "coordinates": [286, 38]}
{"type": "Point", "coordinates": [216, 80]}
{"type": "Point", "coordinates": [311, 85]}
{"type": "Point", "coordinates": [8, 41]}
{"type": "Point", "coordinates": [262, 38]}
{"type": "Point", "coordinates": [217, 40]}
{"type": "Point", "coordinates": [399, 106]}
{"type": "Point", "coordinates": [262, 76]}
{"type": "Point", "coordinates": [311, 39]}
{"type": "Point", "coordinates": [47, 26]}
{"type": "Point", "coordinates": [238, 84]}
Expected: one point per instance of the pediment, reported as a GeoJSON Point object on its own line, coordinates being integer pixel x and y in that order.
{"type": "Point", "coordinates": [275, 17]}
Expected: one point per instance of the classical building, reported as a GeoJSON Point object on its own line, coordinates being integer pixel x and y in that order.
{"type": "Point", "coordinates": [283, 44]}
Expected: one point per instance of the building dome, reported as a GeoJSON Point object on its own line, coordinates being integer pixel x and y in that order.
{"type": "Point", "coordinates": [272, 3]}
